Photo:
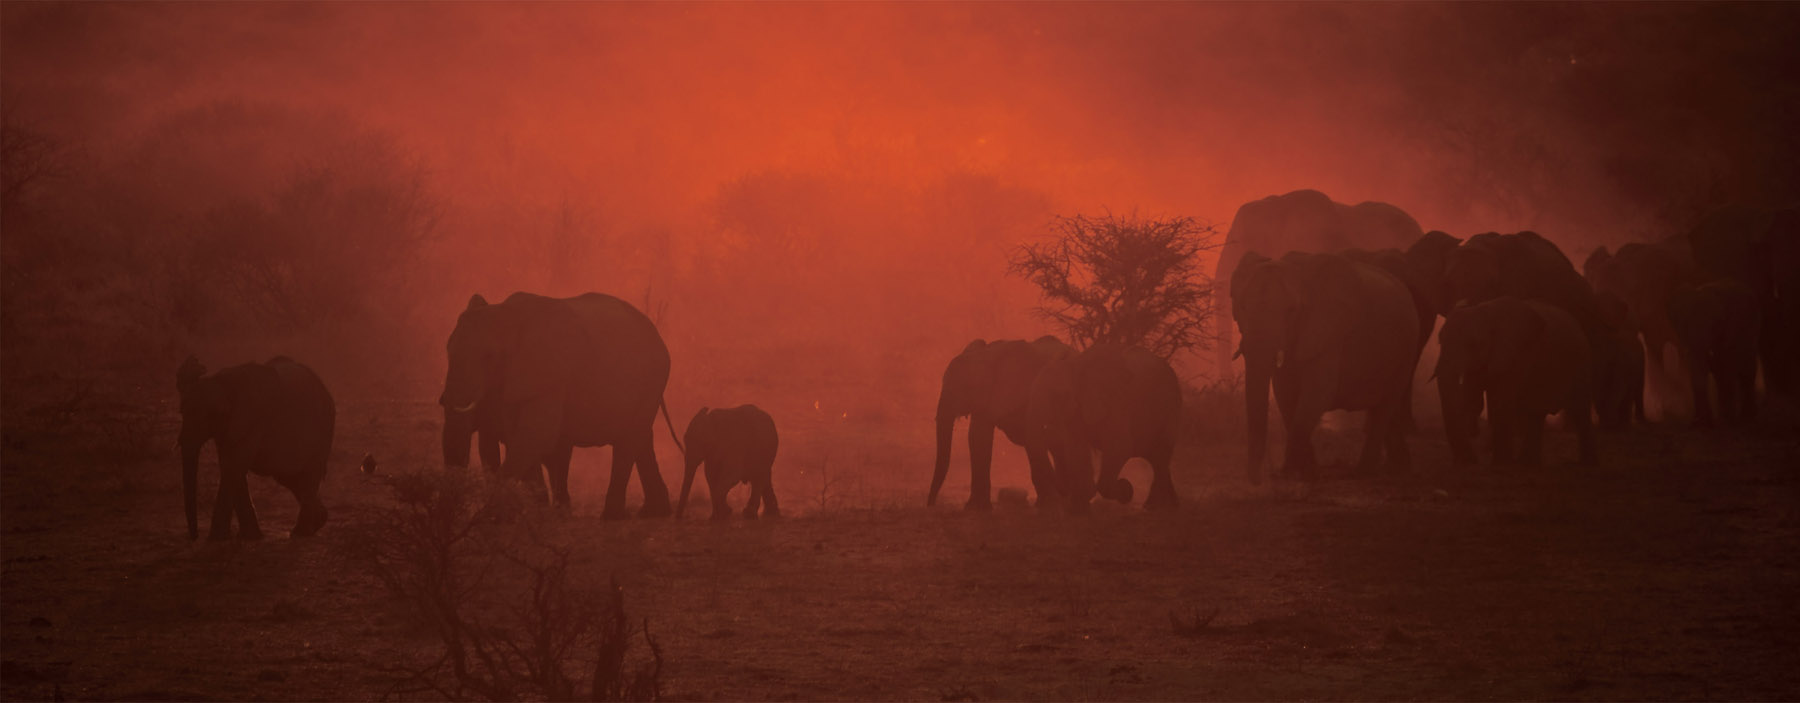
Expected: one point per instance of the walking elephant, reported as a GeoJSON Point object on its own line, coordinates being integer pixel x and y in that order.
{"type": "Point", "coordinates": [1328, 333]}
{"type": "Point", "coordinates": [274, 419]}
{"type": "Point", "coordinates": [737, 445]}
{"type": "Point", "coordinates": [1756, 247]}
{"type": "Point", "coordinates": [1120, 401]}
{"type": "Point", "coordinates": [1532, 360]}
{"type": "Point", "coordinates": [586, 371]}
{"type": "Point", "coordinates": [1302, 220]}
{"type": "Point", "coordinates": [990, 383]}
{"type": "Point", "coordinates": [1646, 276]}
{"type": "Point", "coordinates": [1718, 324]}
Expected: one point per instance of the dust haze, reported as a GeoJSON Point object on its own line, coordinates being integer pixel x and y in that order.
{"type": "Point", "coordinates": [816, 202]}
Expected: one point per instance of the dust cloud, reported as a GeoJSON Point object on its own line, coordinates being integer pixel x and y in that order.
{"type": "Point", "coordinates": [815, 200]}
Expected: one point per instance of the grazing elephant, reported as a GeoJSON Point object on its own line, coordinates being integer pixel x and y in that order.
{"type": "Point", "coordinates": [1328, 333]}
{"type": "Point", "coordinates": [1303, 220]}
{"type": "Point", "coordinates": [1718, 326]}
{"type": "Point", "coordinates": [1532, 360]}
{"type": "Point", "coordinates": [1619, 389]}
{"type": "Point", "coordinates": [586, 371]}
{"type": "Point", "coordinates": [990, 383]}
{"type": "Point", "coordinates": [738, 446]}
{"type": "Point", "coordinates": [273, 419]}
{"type": "Point", "coordinates": [1121, 401]}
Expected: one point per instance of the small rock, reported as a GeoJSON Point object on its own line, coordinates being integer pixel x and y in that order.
{"type": "Point", "coordinates": [368, 464]}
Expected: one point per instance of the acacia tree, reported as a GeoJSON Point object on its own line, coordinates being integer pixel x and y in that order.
{"type": "Point", "coordinates": [1126, 280]}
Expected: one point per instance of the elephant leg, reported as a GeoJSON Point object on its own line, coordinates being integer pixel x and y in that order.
{"type": "Point", "coordinates": [1162, 485]}
{"type": "Point", "coordinates": [224, 505]}
{"type": "Point", "coordinates": [1531, 429]}
{"type": "Point", "coordinates": [1110, 485]}
{"type": "Point", "coordinates": [556, 465]}
{"type": "Point", "coordinates": [1501, 425]}
{"type": "Point", "coordinates": [312, 510]}
{"type": "Point", "coordinates": [656, 493]}
{"type": "Point", "coordinates": [1309, 405]}
{"type": "Point", "coordinates": [981, 460]}
{"type": "Point", "coordinates": [770, 508]}
{"type": "Point", "coordinates": [489, 443]}
{"type": "Point", "coordinates": [248, 526]}
{"type": "Point", "coordinates": [1698, 377]}
{"type": "Point", "coordinates": [756, 498]}
{"type": "Point", "coordinates": [618, 481]}
{"type": "Point", "coordinates": [531, 440]}
{"type": "Point", "coordinates": [1375, 428]}
{"type": "Point", "coordinates": [1043, 475]}
{"type": "Point", "coordinates": [720, 492]}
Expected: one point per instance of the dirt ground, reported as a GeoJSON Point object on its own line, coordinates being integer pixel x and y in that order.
{"type": "Point", "coordinates": [1669, 573]}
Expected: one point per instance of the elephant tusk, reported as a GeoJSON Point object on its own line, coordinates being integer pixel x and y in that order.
{"type": "Point", "coordinates": [465, 408]}
{"type": "Point", "coordinates": [1239, 353]}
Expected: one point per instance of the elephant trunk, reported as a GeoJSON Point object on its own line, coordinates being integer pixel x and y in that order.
{"type": "Point", "coordinates": [458, 428]}
{"type": "Point", "coordinates": [190, 477]}
{"type": "Point", "coordinates": [692, 463]}
{"type": "Point", "coordinates": [1453, 397]}
{"type": "Point", "coordinates": [1258, 370]}
{"type": "Point", "coordinates": [946, 429]}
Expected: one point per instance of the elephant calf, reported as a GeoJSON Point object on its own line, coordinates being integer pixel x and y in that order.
{"type": "Point", "coordinates": [738, 446]}
{"type": "Point", "coordinates": [273, 419]}
{"type": "Point", "coordinates": [1532, 358]}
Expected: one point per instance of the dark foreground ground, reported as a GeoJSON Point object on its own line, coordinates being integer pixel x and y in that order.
{"type": "Point", "coordinates": [1671, 573]}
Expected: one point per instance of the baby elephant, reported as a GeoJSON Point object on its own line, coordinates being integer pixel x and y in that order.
{"type": "Point", "coordinates": [738, 446]}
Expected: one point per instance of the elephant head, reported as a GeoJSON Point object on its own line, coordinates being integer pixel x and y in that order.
{"type": "Point", "coordinates": [1478, 341]}
{"type": "Point", "coordinates": [1429, 259]}
{"type": "Point", "coordinates": [968, 381]}
{"type": "Point", "coordinates": [510, 353]}
{"type": "Point", "coordinates": [1290, 311]}
{"type": "Point", "coordinates": [477, 351]}
{"type": "Point", "coordinates": [221, 408]}
{"type": "Point", "coordinates": [698, 440]}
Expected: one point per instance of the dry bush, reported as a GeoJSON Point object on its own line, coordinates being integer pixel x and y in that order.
{"type": "Point", "coordinates": [516, 622]}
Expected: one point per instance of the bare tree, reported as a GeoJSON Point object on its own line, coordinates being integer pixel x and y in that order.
{"type": "Point", "coordinates": [1126, 280]}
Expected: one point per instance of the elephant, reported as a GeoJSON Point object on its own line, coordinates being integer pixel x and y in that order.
{"type": "Point", "coordinates": [738, 446]}
{"type": "Point", "coordinates": [482, 425]}
{"type": "Point", "coordinates": [1718, 325]}
{"type": "Point", "coordinates": [586, 371]}
{"type": "Point", "coordinates": [1532, 360]}
{"type": "Point", "coordinates": [272, 419]}
{"type": "Point", "coordinates": [1327, 332]}
{"type": "Point", "coordinates": [1302, 220]}
{"type": "Point", "coordinates": [1121, 401]}
{"type": "Point", "coordinates": [1757, 247]}
{"type": "Point", "coordinates": [1619, 389]}
{"type": "Point", "coordinates": [990, 383]}
{"type": "Point", "coordinates": [1645, 276]}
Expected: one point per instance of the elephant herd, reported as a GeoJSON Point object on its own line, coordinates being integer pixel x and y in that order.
{"type": "Point", "coordinates": [1323, 325]}
{"type": "Point", "coordinates": [1524, 334]}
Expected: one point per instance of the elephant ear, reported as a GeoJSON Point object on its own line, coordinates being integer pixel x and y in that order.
{"type": "Point", "coordinates": [542, 341]}
{"type": "Point", "coordinates": [249, 397]}
{"type": "Point", "coordinates": [1100, 380]}
{"type": "Point", "coordinates": [1330, 291]}
{"type": "Point", "coordinates": [1516, 328]}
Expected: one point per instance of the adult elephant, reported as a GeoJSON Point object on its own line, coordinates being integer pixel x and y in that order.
{"type": "Point", "coordinates": [274, 419]}
{"type": "Point", "coordinates": [1303, 220]}
{"type": "Point", "coordinates": [990, 383]}
{"type": "Point", "coordinates": [1756, 246]}
{"type": "Point", "coordinates": [1120, 401]}
{"type": "Point", "coordinates": [1718, 326]}
{"type": "Point", "coordinates": [1646, 276]}
{"type": "Point", "coordinates": [586, 371]}
{"type": "Point", "coordinates": [1531, 358]}
{"type": "Point", "coordinates": [1328, 333]}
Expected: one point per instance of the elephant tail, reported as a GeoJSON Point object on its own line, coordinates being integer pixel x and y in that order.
{"type": "Point", "coordinates": [671, 425]}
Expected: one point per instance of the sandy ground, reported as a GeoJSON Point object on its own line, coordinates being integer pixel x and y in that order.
{"type": "Point", "coordinates": [1669, 573]}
